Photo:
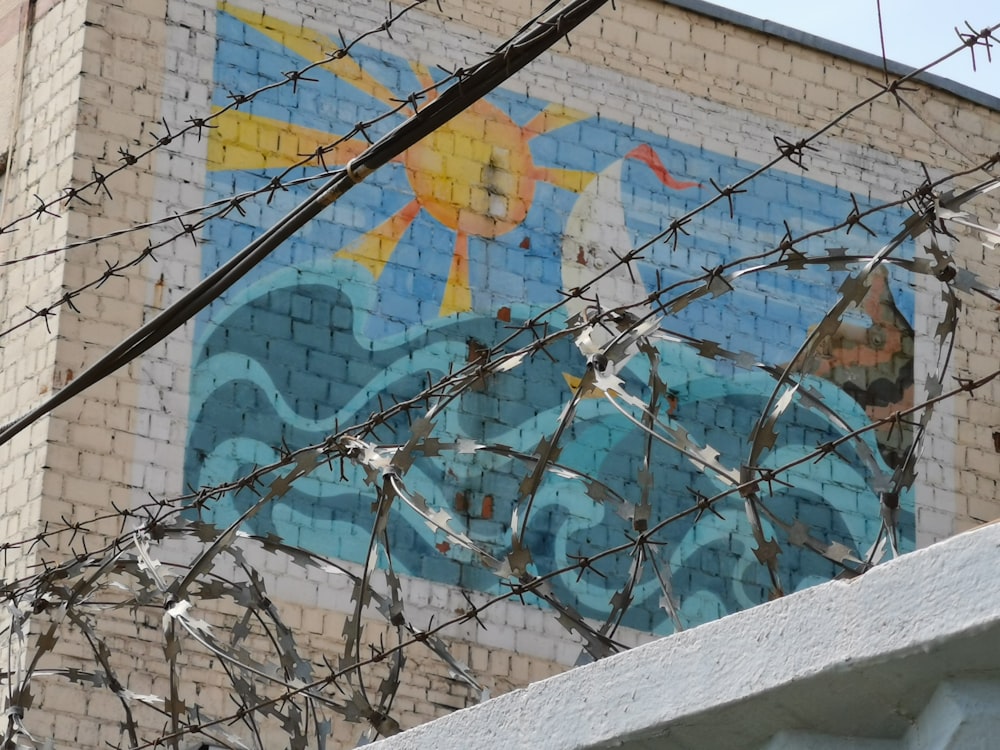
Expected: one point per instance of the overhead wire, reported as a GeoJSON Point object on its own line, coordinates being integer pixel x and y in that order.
{"type": "Point", "coordinates": [471, 86]}
{"type": "Point", "coordinates": [338, 446]}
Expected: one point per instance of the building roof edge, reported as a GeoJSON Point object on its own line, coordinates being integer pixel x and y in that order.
{"type": "Point", "coordinates": [834, 48]}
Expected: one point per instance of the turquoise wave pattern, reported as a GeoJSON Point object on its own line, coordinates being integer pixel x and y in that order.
{"type": "Point", "coordinates": [308, 343]}
{"type": "Point", "coordinates": [256, 391]}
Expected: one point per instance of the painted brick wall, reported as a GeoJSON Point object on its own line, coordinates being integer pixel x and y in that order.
{"type": "Point", "coordinates": [318, 328]}
{"type": "Point", "coordinates": [411, 274]}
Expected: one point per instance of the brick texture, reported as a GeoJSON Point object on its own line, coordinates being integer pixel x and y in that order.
{"type": "Point", "coordinates": [104, 79]}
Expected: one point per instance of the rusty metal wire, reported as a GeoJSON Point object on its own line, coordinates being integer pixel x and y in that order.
{"type": "Point", "coordinates": [277, 683]}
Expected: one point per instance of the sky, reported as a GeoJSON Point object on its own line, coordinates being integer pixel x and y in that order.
{"type": "Point", "coordinates": [916, 31]}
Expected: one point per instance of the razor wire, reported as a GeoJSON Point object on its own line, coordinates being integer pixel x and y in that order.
{"type": "Point", "coordinates": [299, 693]}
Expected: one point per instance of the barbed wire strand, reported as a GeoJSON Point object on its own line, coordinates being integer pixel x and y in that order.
{"type": "Point", "coordinates": [473, 85]}
{"type": "Point", "coordinates": [160, 519]}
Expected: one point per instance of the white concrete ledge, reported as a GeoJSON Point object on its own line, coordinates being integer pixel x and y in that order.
{"type": "Point", "coordinates": [859, 658]}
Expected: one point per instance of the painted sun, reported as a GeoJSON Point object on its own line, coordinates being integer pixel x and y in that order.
{"type": "Point", "coordinates": [476, 175]}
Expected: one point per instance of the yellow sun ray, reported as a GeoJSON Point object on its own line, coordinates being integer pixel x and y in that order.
{"type": "Point", "coordinates": [553, 117]}
{"type": "Point", "coordinates": [573, 383]}
{"type": "Point", "coordinates": [568, 179]}
{"type": "Point", "coordinates": [311, 45]}
{"type": "Point", "coordinates": [475, 175]}
{"type": "Point", "coordinates": [246, 141]}
{"type": "Point", "coordinates": [372, 250]}
{"type": "Point", "coordinates": [457, 294]}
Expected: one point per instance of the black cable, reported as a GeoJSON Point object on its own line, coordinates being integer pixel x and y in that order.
{"type": "Point", "coordinates": [470, 87]}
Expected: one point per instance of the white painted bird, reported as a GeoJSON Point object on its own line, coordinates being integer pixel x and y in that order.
{"type": "Point", "coordinates": [596, 231]}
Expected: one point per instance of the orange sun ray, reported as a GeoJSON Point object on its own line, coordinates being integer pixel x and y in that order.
{"type": "Point", "coordinates": [372, 250]}
{"type": "Point", "coordinates": [242, 140]}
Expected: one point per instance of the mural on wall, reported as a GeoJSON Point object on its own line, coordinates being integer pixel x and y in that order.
{"type": "Point", "coordinates": [427, 264]}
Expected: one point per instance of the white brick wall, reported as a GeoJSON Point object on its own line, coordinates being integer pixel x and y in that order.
{"type": "Point", "coordinates": [698, 81]}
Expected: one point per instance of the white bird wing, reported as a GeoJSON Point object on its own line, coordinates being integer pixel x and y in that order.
{"type": "Point", "coordinates": [594, 228]}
